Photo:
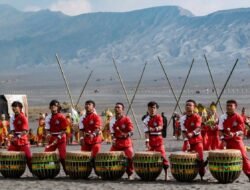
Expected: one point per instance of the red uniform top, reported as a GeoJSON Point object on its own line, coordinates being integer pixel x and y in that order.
{"type": "Point", "coordinates": [151, 126]}
{"type": "Point", "coordinates": [231, 123]}
{"type": "Point", "coordinates": [56, 123]}
{"type": "Point", "coordinates": [19, 123]}
{"type": "Point", "coordinates": [189, 124]}
{"type": "Point", "coordinates": [91, 124]}
{"type": "Point", "coordinates": [119, 126]}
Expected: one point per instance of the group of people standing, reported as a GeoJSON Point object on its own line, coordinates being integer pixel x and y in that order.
{"type": "Point", "coordinates": [228, 131]}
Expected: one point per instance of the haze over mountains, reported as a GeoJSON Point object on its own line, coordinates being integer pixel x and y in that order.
{"type": "Point", "coordinates": [33, 38]}
{"type": "Point", "coordinates": [29, 41]}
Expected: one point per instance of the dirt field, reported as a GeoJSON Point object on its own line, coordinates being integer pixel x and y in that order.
{"type": "Point", "coordinates": [63, 182]}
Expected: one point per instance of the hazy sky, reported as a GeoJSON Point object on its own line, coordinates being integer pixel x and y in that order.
{"type": "Point", "coordinates": [75, 7]}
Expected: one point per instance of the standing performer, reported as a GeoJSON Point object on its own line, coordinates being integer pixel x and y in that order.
{"type": "Point", "coordinates": [246, 122]}
{"type": "Point", "coordinates": [203, 114]}
{"type": "Point", "coordinates": [41, 130]}
{"type": "Point", "coordinates": [55, 125]}
{"type": "Point", "coordinates": [121, 129]}
{"type": "Point", "coordinates": [69, 129]}
{"type": "Point", "coordinates": [174, 127]}
{"type": "Point", "coordinates": [165, 125]}
{"type": "Point", "coordinates": [19, 128]}
{"type": "Point", "coordinates": [90, 129]}
{"type": "Point", "coordinates": [3, 132]}
{"type": "Point", "coordinates": [213, 140]}
{"type": "Point", "coordinates": [106, 129]}
{"type": "Point", "coordinates": [153, 133]}
{"type": "Point", "coordinates": [5, 122]}
{"type": "Point", "coordinates": [177, 126]}
{"type": "Point", "coordinates": [191, 129]}
{"type": "Point", "coordinates": [231, 128]}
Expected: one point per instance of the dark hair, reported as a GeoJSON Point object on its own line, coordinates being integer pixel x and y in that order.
{"type": "Point", "coordinates": [90, 102]}
{"type": "Point", "coordinates": [232, 102]}
{"type": "Point", "coordinates": [153, 103]}
{"type": "Point", "coordinates": [17, 104]}
{"type": "Point", "coordinates": [192, 101]}
{"type": "Point", "coordinates": [119, 103]}
{"type": "Point", "coordinates": [55, 103]}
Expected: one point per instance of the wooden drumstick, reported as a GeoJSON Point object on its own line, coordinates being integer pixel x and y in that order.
{"type": "Point", "coordinates": [52, 144]}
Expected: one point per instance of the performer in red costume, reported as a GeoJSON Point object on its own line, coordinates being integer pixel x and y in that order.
{"type": "Point", "coordinates": [191, 129]}
{"type": "Point", "coordinates": [41, 129]}
{"type": "Point", "coordinates": [90, 129]}
{"type": "Point", "coordinates": [153, 133]}
{"type": "Point", "coordinates": [213, 141]}
{"type": "Point", "coordinates": [121, 129]}
{"type": "Point", "coordinates": [55, 126]}
{"type": "Point", "coordinates": [246, 122]}
{"type": "Point", "coordinates": [202, 111]}
{"type": "Point", "coordinates": [231, 126]}
{"type": "Point", "coordinates": [19, 128]}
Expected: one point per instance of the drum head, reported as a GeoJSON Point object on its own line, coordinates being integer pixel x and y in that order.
{"type": "Point", "coordinates": [147, 154]}
{"type": "Point", "coordinates": [181, 154]}
{"type": "Point", "coordinates": [225, 153]}
{"type": "Point", "coordinates": [80, 153]}
{"type": "Point", "coordinates": [11, 153]}
{"type": "Point", "coordinates": [111, 153]}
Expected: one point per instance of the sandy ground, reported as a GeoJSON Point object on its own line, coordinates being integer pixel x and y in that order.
{"type": "Point", "coordinates": [64, 182]}
{"type": "Point", "coordinates": [39, 100]}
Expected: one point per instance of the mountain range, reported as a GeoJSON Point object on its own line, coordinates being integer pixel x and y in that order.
{"type": "Point", "coordinates": [31, 39]}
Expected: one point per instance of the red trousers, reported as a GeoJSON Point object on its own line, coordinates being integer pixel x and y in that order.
{"type": "Point", "coordinates": [61, 146]}
{"type": "Point", "coordinates": [161, 149]}
{"type": "Point", "coordinates": [129, 152]}
{"type": "Point", "coordinates": [26, 150]}
{"type": "Point", "coordinates": [239, 145]}
{"type": "Point", "coordinates": [213, 142]}
{"type": "Point", "coordinates": [94, 148]}
{"type": "Point", "coordinates": [198, 147]}
{"type": "Point", "coordinates": [205, 138]}
{"type": "Point", "coordinates": [40, 138]}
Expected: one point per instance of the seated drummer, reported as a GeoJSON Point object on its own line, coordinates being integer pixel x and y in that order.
{"type": "Point", "coordinates": [231, 127]}
{"type": "Point", "coordinates": [90, 129]}
{"type": "Point", "coordinates": [191, 130]}
{"type": "Point", "coordinates": [153, 133]}
{"type": "Point", "coordinates": [19, 128]}
{"type": "Point", "coordinates": [121, 129]}
{"type": "Point", "coordinates": [55, 126]}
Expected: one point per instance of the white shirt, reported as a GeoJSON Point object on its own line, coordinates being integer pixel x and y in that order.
{"type": "Point", "coordinates": [145, 122]}
{"type": "Point", "coordinates": [182, 121]}
{"type": "Point", "coordinates": [221, 121]}
{"type": "Point", "coordinates": [47, 121]}
{"type": "Point", "coordinates": [81, 126]}
{"type": "Point", "coordinates": [12, 118]}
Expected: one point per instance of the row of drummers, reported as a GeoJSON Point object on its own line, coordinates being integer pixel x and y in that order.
{"type": "Point", "coordinates": [231, 127]}
{"type": "Point", "coordinates": [224, 165]}
{"type": "Point", "coordinates": [209, 127]}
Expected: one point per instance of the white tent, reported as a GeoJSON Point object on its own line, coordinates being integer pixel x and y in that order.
{"type": "Point", "coordinates": [7, 99]}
